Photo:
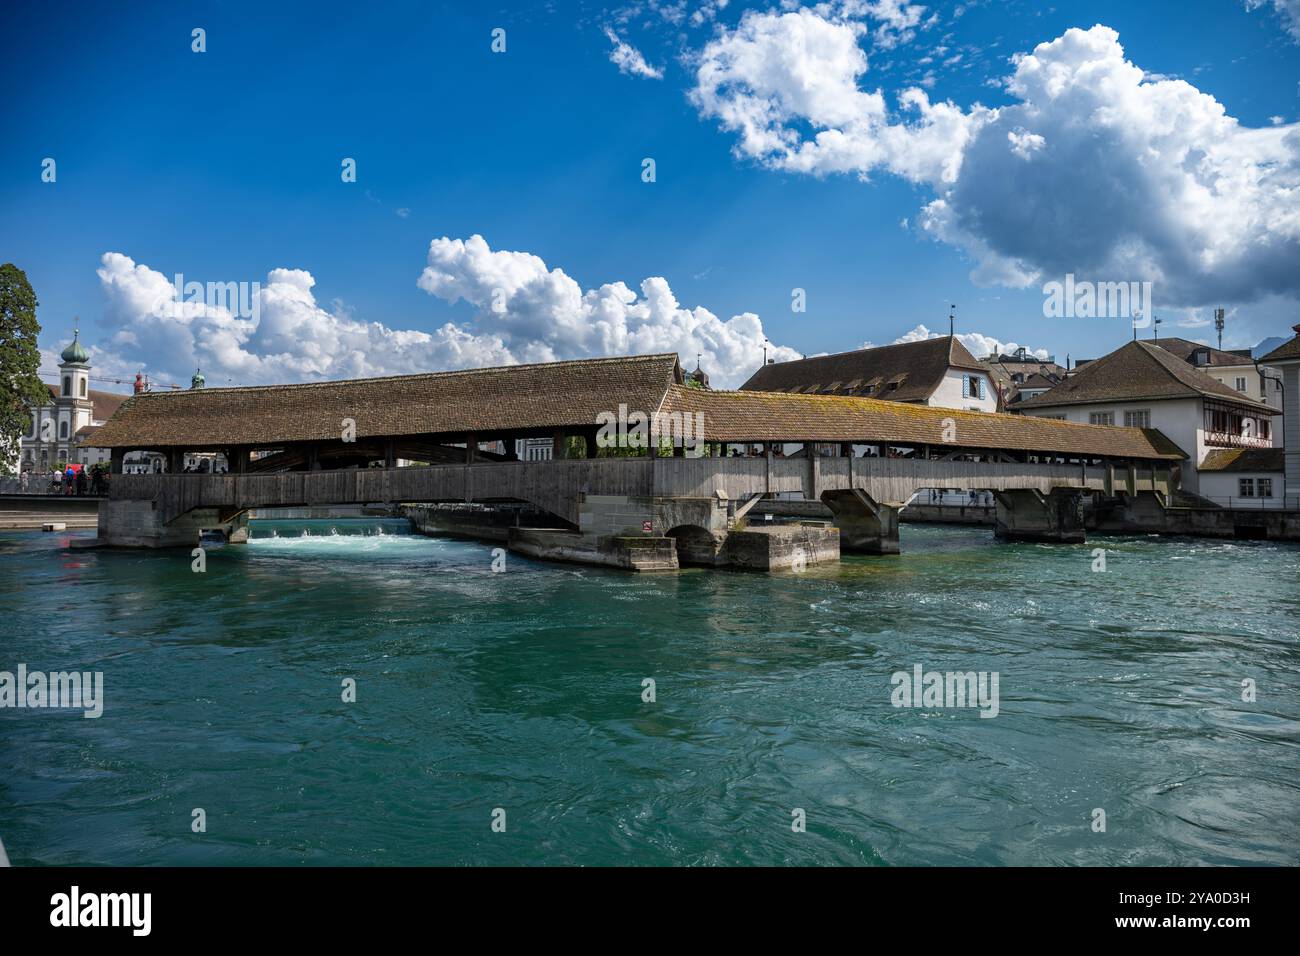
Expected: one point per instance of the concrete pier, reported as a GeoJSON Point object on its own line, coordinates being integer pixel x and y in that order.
{"type": "Point", "coordinates": [652, 533]}
{"type": "Point", "coordinates": [865, 526]}
{"type": "Point", "coordinates": [1031, 515]}
{"type": "Point", "coordinates": [127, 523]}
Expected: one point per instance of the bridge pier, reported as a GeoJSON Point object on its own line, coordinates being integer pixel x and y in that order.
{"type": "Point", "coordinates": [866, 526]}
{"type": "Point", "coordinates": [1031, 515]}
{"type": "Point", "coordinates": [682, 531]}
{"type": "Point", "coordinates": [128, 523]}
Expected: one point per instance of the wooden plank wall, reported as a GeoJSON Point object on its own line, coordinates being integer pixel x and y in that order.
{"type": "Point", "coordinates": [555, 485]}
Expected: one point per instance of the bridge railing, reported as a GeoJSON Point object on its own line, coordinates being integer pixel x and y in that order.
{"type": "Point", "coordinates": [556, 485]}
{"type": "Point", "coordinates": [553, 486]}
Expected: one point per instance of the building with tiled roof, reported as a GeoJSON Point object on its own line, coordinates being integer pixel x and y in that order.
{"type": "Point", "coordinates": [1235, 369]}
{"type": "Point", "coordinates": [1286, 358]}
{"type": "Point", "coordinates": [59, 431]}
{"type": "Point", "coordinates": [938, 371]}
{"type": "Point", "coordinates": [1022, 375]}
{"type": "Point", "coordinates": [1243, 477]}
{"type": "Point", "coordinates": [1144, 386]}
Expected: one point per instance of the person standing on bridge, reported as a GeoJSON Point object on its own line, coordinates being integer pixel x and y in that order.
{"type": "Point", "coordinates": [81, 482]}
{"type": "Point", "coordinates": [23, 480]}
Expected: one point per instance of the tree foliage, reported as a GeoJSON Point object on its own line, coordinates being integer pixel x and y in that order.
{"type": "Point", "coordinates": [20, 357]}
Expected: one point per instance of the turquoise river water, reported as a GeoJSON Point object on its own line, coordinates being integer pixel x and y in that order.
{"type": "Point", "coordinates": [522, 690]}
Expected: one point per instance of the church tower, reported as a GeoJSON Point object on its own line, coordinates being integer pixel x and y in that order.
{"type": "Point", "coordinates": [73, 406]}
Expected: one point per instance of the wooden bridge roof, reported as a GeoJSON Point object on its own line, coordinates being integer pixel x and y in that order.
{"type": "Point", "coordinates": [767, 416]}
{"type": "Point", "coordinates": [570, 395]}
{"type": "Point", "coordinates": [508, 398]}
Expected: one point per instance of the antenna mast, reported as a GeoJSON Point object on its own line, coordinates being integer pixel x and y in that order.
{"type": "Point", "coordinates": [1218, 325]}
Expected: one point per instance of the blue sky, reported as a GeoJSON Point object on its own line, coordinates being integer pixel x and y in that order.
{"type": "Point", "coordinates": [225, 166]}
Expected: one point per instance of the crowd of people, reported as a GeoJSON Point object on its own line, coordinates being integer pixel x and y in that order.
{"type": "Point", "coordinates": [72, 480]}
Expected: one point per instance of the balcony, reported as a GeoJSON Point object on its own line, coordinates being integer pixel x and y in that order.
{"type": "Point", "coordinates": [1231, 440]}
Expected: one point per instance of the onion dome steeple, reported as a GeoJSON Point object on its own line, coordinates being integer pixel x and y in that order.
{"type": "Point", "coordinates": [198, 379]}
{"type": "Point", "coordinates": [75, 354]}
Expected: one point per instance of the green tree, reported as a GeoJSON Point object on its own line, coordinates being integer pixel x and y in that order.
{"type": "Point", "coordinates": [20, 358]}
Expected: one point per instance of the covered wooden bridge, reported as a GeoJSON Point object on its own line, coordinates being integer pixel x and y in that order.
{"type": "Point", "coordinates": [345, 442]}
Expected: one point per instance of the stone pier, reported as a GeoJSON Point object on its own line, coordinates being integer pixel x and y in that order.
{"type": "Point", "coordinates": [1031, 515]}
{"type": "Point", "coordinates": [138, 524]}
{"type": "Point", "coordinates": [866, 526]}
{"type": "Point", "coordinates": [655, 533]}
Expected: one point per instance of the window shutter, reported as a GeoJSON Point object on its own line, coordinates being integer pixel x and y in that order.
{"type": "Point", "coordinates": [965, 386]}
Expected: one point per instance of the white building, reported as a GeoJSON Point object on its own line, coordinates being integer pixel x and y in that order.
{"type": "Point", "coordinates": [1235, 369]}
{"type": "Point", "coordinates": [940, 372]}
{"type": "Point", "coordinates": [1243, 477]}
{"type": "Point", "coordinates": [59, 430]}
{"type": "Point", "coordinates": [1286, 358]}
{"type": "Point", "coordinates": [1143, 386]}
{"type": "Point", "coordinates": [1021, 375]}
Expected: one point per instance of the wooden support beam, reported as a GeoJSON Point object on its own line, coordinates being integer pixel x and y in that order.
{"type": "Point", "coordinates": [745, 508]}
{"type": "Point", "coordinates": [471, 448]}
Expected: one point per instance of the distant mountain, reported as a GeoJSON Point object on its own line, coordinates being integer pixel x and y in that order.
{"type": "Point", "coordinates": [1268, 345]}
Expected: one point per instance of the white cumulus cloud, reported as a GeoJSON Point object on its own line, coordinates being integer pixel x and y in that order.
{"type": "Point", "coordinates": [1096, 169]}
{"type": "Point", "coordinates": [541, 314]}
{"type": "Point", "coordinates": [777, 74]}
{"type": "Point", "coordinates": [1126, 180]}
{"type": "Point", "coordinates": [525, 312]}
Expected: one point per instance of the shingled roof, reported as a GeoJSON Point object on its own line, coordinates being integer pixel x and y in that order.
{"type": "Point", "coordinates": [1243, 459]}
{"type": "Point", "coordinates": [1285, 351]}
{"type": "Point", "coordinates": [512, 397]}
{"type": "Point", "coordinates": [765, 416]}
{"type": "Point", "coordinates": [1138, 372]}
{"type": "Point", "coordinates": [105, 404]}
{"type": "Point", "coordinates": [917, 367]}
{"type": "Point", "coordinates": [570, 395]}
{"type": "Point", "coordinates": [1185, 349]}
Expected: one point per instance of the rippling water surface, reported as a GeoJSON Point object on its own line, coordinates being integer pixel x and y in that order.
{"type": "Point", "coordinates": [523, 690]}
